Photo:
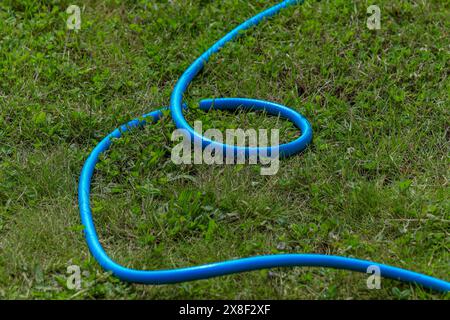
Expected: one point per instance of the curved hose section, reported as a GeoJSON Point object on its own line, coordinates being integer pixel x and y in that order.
{"type": "Point", "coordinates": [231, 266]}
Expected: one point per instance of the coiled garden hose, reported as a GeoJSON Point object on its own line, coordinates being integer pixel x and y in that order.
{"type": "Point", "coordinates": [239, 265]}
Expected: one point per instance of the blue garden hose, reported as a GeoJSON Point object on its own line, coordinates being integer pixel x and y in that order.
{"type": "Point", "coordinates": [231, 266]}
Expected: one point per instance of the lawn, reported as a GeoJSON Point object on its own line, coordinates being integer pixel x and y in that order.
{"type": "Point", "coordinates": [374, 184]}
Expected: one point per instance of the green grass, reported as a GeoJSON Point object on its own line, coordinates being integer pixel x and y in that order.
{"type": "Point", "coordinates": [373, 185]}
